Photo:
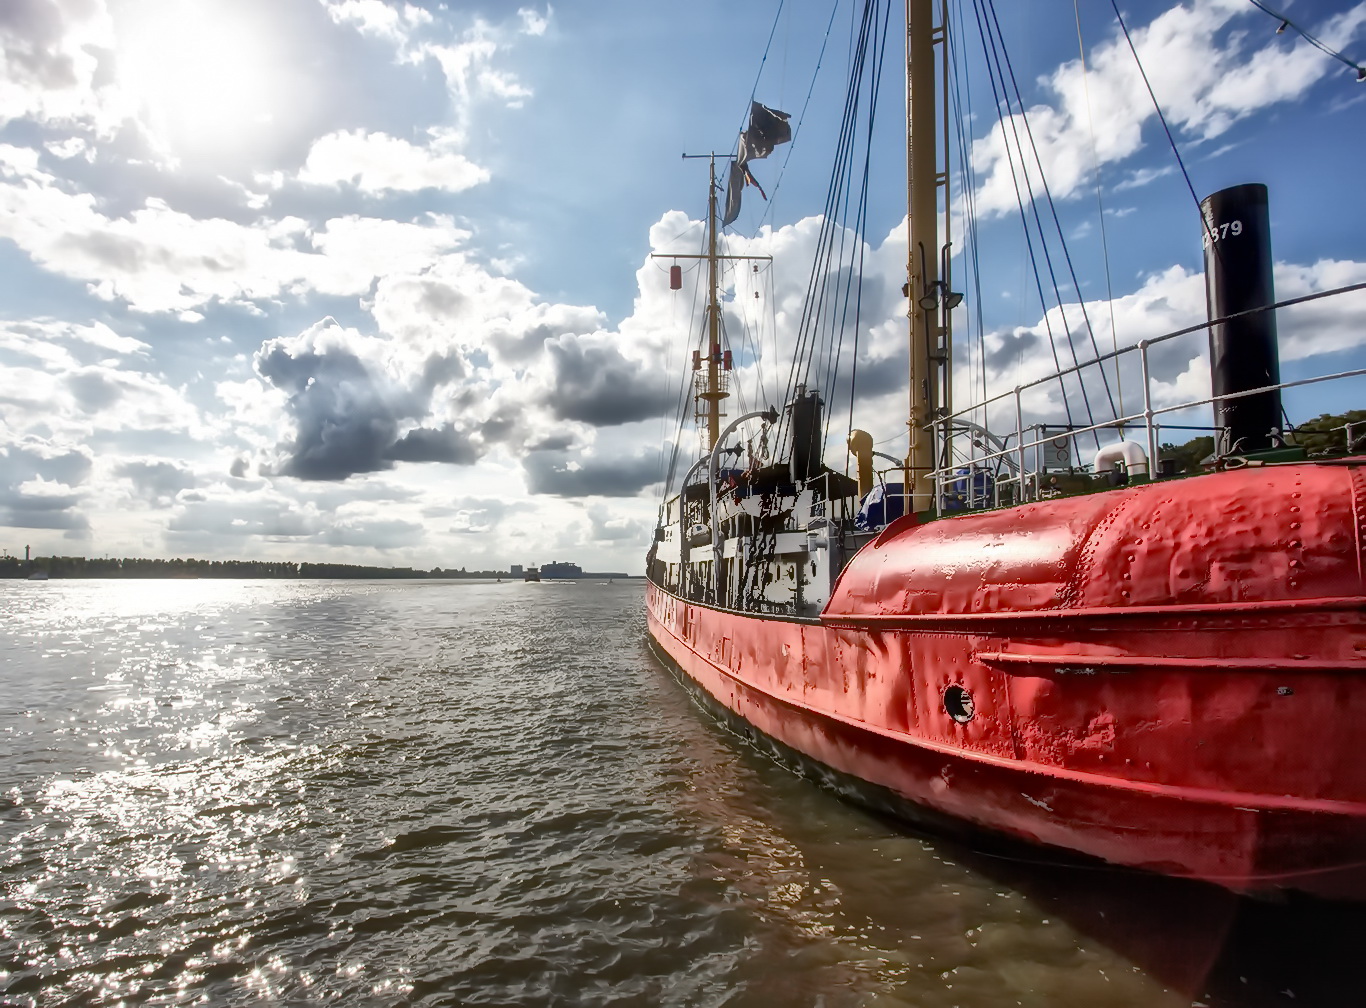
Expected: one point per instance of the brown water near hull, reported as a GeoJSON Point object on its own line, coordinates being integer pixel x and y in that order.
{"type": "Point", "coordinates": [451, 793]}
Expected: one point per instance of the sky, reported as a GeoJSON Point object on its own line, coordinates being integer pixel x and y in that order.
{"type": "Point", "coordinates": [370, 282]}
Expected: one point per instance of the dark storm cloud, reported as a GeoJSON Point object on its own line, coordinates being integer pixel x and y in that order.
{"type": "Point", "coordinates": [47, 509]}
{"type": "Point", "coordinates": [156, 482]}
{"type": "Point", "coordinates": [596, 385]}
{"type": "Point", "coordinates": [1015, 345]}
{"type": "Point", "coordinates": [428, 444]}
{"type": "Point", "coordinates": [878, 377]}
{"type": "Point", "coordinates": [551, 473]}
{"type": "Point", "coordinates": [349, 416]}
{"type": "Point", "coordinates": [345, 422]}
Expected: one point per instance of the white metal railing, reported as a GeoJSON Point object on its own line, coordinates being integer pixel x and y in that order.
{"type": "Point", "coordinates": [1016, 456]}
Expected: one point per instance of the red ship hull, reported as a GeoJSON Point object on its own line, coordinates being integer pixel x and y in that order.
{"type": "Point", "coordinates": [1167, 677]}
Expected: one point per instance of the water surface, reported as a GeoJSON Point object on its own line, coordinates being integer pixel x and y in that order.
{"type": "Point", "coordinates": [452, 793]}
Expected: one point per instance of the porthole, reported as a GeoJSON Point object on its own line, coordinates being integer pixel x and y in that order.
{"type": "Point", "coordinates": [958, 703]}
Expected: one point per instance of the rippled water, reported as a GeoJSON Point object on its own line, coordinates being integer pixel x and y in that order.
{"type": "Point", "coordinates": [446, 793]}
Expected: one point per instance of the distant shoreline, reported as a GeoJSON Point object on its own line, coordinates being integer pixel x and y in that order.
{"type": "Point", "coordinates": [110, 568]}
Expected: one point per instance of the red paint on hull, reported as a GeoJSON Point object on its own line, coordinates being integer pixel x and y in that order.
{"type": "Point", "coordinates": [1167, 677]}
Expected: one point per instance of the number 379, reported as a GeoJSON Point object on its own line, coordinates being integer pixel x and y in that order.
{"type": "Point", "coordinates": [1218, 232]}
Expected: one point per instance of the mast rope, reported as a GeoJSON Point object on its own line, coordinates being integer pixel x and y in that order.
{"type": "Point", "coordinates": [999, 99]}
{"type": "Point", "coordinates": [813, 327]}
{"type": "Point", "coordinates": [1316, 43]}
{"type": "Point", "coordinates": [801, 117]}
{"type": "Point", "coordinates": [860, 233]}
{"type": "Point", "coordinates": [681, 404]}
{"type": "Point", "coordinates": [1161, 118]}
{"type": "Point", "coordinates": [1057, 224]}
{"type": "Point", "coordinates": [963, 112]}
{"type": "Point", "coordinates": [1100, 206]}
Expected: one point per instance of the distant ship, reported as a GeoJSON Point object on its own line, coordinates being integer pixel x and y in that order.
{"type": "Point", "coordinates": [531, 574]}
{"type": "Point", "coordinates": [1161, 671]}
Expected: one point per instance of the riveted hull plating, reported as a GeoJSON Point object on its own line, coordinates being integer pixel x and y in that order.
{"type": "Point", "coordinates": [1167, 677]}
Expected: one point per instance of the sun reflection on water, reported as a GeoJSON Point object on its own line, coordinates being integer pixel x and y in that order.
{"type": "Point", "coordinates": [229, 792]}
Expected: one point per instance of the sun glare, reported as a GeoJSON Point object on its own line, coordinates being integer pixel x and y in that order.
{"type": "Point", "coordinates": [199, 76]}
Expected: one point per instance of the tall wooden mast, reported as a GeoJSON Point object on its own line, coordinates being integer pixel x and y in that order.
{"type": "Point", "coordinates": [711, 384]}
{"type": "Point", "coordinates": [713, 392]}
{"type": "Point", "coordinates": [925, 292]}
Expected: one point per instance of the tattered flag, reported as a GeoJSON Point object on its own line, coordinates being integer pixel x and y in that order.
{"type": "Point", "coordinates": [767, 128]}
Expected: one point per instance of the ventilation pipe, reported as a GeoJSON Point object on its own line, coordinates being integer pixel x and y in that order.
{"type": "Point", "coordinates": [861, 447]}
{"type": "Point", "coordinates": [1131, 453]}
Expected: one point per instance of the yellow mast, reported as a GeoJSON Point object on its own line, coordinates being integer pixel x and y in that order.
{"type": "Point", "coordinates": [713, 393]}
{"type": "Point", "coordinates": [924, 288]}
{"type": "Point", "coordinates": [713, 387]}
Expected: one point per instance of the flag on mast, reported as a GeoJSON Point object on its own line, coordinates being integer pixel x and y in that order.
{"type": "Point", "coordinates": [767, 129]}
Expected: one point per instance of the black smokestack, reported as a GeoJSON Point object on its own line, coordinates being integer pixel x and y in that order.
{"type": "Point", "coordinates": [805, 412]}
{"type": "Point", "coordinates": [1243, 351]}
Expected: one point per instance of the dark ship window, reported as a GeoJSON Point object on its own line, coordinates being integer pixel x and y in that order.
{"type": "Point", "coordinates": [958, 703]}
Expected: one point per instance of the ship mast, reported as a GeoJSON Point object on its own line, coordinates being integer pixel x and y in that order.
{"type": "Point", "coordinates": [712, 385]}
{"type": "Point", "coordinates": [713, 391]}
{"type": "Point", "coordinates": [928, 360]}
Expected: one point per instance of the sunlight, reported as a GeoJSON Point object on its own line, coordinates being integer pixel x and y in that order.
{"type": "Point", "coordinates": [199, 76]}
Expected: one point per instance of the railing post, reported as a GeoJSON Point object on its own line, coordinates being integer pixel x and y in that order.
{"type": "Point", "coordinates": [1148, 411]}
{"type": "Point", "coordinates": [1019, 443]}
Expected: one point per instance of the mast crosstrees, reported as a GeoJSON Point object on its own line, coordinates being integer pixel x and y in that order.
{"type": "Point", "coordinates": [714, 387]}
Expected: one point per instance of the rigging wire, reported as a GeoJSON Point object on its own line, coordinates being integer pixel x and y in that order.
{"type": "Point", "coordinates": [753, 337]}
{"type": "Point", "coordinates": [801, 118]}
{"type": "Point", "coordinates": [1033, 265]}
{"type": "Point", "coordinates": [1316, 43]}
{"type": "Point", "coordinates": [758, 74]}
{"type": "Point", "coordinates": [1100, 208]}
{"type": "Point", "coordinates": [680, 407]}
{"type": "Point", "coordinates": [811, 325]}
{"type": "Point", "coordinates": [962, 95]}
{"type": "Point", "coordinates": [1161, 118]}
{"type": "Point", "coordinates": [1057, 224]}
{"type": "Point", "coordinates": [860, 231]}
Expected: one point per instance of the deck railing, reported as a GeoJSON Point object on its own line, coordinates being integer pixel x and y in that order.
{"type": "Point", "coordinates": [1022, 457]}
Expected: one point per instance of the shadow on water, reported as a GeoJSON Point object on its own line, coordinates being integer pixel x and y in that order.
{"type": "Point", "coordinates": [1203, 944]}
{"type": "Point", "coordinates": [1221, 949]}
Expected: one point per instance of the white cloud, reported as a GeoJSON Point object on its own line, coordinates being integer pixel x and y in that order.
{"type": "Point", "coordinates": [157, 259]}
{"type": "Point", "coordinates": [51, 53]}
{"type": "Point", "coordinates": [1205, 78]}
{"type": "Point", "coordinates": [395, 23]}
{"type": "Point", "coordinates": [378, 163]}
{"type": "Point", "coordinates": [1327, 325]}
{"type": "Point", "coordinates": [534, 22]}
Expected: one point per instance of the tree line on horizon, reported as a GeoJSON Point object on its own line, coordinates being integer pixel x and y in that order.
{"type": "Point", "coordinates": [1326, 434]}
{"type": "Point", "coordinates": [142, 567]}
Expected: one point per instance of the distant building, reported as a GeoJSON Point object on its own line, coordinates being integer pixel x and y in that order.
{"type": "Point", "coordinates": [516, 570]}
{"type": "Point", "coordinates": [561, 570]}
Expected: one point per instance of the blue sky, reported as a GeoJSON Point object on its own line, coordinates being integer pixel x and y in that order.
{"type": "Point", "coordinates": [369, 282]}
